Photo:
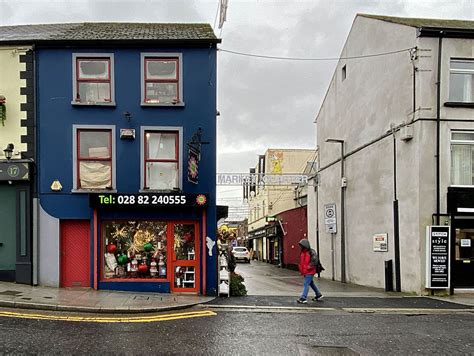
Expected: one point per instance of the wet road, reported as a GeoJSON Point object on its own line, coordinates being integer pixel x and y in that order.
{"type": "Point", "coordinates": [295, 332]}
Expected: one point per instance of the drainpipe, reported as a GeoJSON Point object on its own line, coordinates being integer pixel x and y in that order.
{"type": "Point", "coordinates": [438, 100]}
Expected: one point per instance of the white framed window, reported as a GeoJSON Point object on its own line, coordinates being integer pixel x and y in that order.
{"type": "Point", "coordinates": [462, 158]}
{"type": "Point", "coordinates": [93, 158]}
{"type": "Point", "coordinates": [162, 157]}
{"type": "Point", "coordinates": [93, 79]}
{"type": "Point", "coordinates": [162, 79]}
{"type": "Point", "coordinates": [461, 80]}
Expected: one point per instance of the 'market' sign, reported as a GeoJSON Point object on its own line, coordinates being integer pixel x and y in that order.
{"type": "Point", "coordinates": [437, 257]}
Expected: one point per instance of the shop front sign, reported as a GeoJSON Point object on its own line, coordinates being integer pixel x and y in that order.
{"type": "Point", "coordinates": [438, 257]}
{"type": "Point", "coordinates": [148, 200]}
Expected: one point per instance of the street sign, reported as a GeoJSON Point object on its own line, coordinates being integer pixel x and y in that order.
{"type": "Point", "coordinates": [438, 257]}
{"type": "Point", "coordinates": [330, 218]}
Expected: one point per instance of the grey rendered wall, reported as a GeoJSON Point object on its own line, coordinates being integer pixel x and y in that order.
{"type": "Point", "coordinates": [377, 92]}
{"type": "Point", "coordinates": [48, 250]}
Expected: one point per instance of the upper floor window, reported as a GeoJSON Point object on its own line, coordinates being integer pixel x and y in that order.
{"type": "Point", "coordinates": [462, 158]}
{"type": "Point", "coordinates": [94, 161]}
{"type": "Point", "coordinates": [461, 80]}
{"type": "Point", "coordinates": [162, 79]}
{"type": "Point", "coordinates": [93, 79]}
{"type": "Point", "coordinates": [161, 160]}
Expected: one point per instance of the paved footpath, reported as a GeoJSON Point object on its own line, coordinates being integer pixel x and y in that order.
{"type": "Point", "coordinates": [268, 287]}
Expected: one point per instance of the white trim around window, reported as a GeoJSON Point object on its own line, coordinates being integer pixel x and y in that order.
{"type": "Point", "coordinates": [179, 78]}
{"type": "Point", "coordinates": [75, 129]}
{"type": "Point", "coordinates": [109, 79]}
{"type": "Point", "coordinates": [143, 130]}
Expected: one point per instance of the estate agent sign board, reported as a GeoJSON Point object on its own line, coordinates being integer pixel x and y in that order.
{"type": "Point", "coordinates": [438, 257]}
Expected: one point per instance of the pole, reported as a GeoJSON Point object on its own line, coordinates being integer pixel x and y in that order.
{"type": "Point", "coordinates": [332, 256]}
{"type": "Point", "coordinates": [396, 226]}
{"type": "Point", "coordinates": [343, 237]}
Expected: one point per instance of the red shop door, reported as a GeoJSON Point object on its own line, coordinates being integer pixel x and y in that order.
{"type": "Point", "coordinates": [75, 253]}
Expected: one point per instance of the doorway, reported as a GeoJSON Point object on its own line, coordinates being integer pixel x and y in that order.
{"type": "Point", "coordinates": [8, 233]}
{"type": "Point", "coordinates": [185, 257]}
{"type": "Point", "coordinates": [75, 253]}
{"type": "Point", "coordinates": [463, 264]}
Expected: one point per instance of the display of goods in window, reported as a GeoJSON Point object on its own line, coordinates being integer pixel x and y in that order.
{"type": "Point", "coordinates": [148, 247]}
{"type": "Point", "coordinates": [111, 248]}
{"type": "Point", "coordinates": [143, 268]}
{"type": "Point", "coordinates": [122, 259]}
{"type": "Point", "coordinates": [153, 269]}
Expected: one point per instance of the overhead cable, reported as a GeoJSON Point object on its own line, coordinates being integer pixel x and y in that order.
{"type": "Point", "coordinates": [313, 59]}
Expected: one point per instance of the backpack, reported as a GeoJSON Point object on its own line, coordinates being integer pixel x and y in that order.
{"type": "Point", "coordinates": [314, 261]}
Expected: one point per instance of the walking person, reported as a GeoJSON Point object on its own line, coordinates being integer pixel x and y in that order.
{"type": "Point", "coordinates": [307, 267]}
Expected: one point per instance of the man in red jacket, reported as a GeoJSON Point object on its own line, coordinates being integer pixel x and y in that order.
{"type": "Point", "coordinates": [307, 271]}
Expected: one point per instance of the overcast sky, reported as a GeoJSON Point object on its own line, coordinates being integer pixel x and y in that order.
{"type": "Point", "coordinates": [263, 103]}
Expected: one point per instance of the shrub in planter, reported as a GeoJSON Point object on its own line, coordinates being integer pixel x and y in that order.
{"type": "Point", "coordinates": [237, 287]}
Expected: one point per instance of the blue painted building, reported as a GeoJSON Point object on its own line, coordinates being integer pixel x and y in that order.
{"type": "Point", "coordinates": [126, 147]}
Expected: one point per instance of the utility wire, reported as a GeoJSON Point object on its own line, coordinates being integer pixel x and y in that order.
{"type": "Point", "coordinates": [312, 59]}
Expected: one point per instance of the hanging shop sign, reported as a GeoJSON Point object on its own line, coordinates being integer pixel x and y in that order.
{"type": "Point", "coordinates": [193, 165]}
{"type": "Point", "coordinates": [14, 171]}
{"type": "Point", "coordinates": [438, 257]}
{"type": "Point", "coordinates": [112, 200]}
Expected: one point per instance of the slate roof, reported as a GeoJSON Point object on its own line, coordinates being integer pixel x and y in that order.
{"type": "Point", "coordinates": [109, 31]}
{"type": "Point", "coordinates": [423, 22]}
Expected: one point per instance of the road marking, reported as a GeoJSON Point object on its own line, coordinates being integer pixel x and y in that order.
{"type": "Point", "coordinates": [259, 307]}
{"type": "Point", "coordinates": [408, 310]}
{"type": "Point", "coordinates": [93, 319]}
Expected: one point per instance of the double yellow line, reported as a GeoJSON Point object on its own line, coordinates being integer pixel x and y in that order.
{"type": "Point", "coordinates": [92, 319]}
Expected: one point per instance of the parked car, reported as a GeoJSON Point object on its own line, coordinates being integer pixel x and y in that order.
{"type": "Point", "coordinates": [241, 253]}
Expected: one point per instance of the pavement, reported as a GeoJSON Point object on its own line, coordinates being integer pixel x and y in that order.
{"type": "Point", "coordinates": [267, 286]}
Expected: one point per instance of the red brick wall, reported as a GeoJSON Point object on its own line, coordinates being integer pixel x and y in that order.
{"type": "Point", "coordinates": [295, 223]}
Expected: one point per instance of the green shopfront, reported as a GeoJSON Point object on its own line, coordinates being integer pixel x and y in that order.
{"type": "Point", "coordinates": [16, 250]}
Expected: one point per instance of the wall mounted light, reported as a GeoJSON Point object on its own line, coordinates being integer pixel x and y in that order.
{"type": "Point", "coordinates": [9, 151]}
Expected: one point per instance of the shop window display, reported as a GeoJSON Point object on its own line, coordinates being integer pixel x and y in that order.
{"type": "Point", "coordinates": [184, 250]}
{"type": "Point", "coordinates": [134, 249]}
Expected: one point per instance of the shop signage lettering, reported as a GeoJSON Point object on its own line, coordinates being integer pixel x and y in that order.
{"type": "Point", "coordinates": [260, 178]}
{"type": "Point", "coordinates": [438, 255]}
{"type": "Point", "coordinates": [112, 200]}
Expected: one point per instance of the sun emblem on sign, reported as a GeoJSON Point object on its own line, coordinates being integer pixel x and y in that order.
{"type": "Point", "coordinates": [201, 199]}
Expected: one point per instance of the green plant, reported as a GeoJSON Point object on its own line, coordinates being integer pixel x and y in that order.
{"type": "Point", "coordinates": [237, 287]}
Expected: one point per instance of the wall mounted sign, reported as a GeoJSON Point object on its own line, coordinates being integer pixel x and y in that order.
{"type": "Point", "coordinates": [330, 219]}
{"type": "Point", "coordinates": [438, 257]}
{"type": "Point", "coordinates": [14, 171]}
{"type": "Point", "coordinates": [148, 200]}
{"type": "Point", "coordinates": [380, 242]}
{"type": "Point", "coordinates": [127, 134]}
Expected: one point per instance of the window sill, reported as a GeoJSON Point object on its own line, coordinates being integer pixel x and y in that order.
{"type": "Point", "coordinates": [162, 191]}
{"type": "Point", "coordinates": [89, 191]}
{"type": "Point", "coordinates": [75, 103]}
{"type": "Point", "coordinates": [180, 104]}
{"type": "Point", "coordinates": [459, 104]}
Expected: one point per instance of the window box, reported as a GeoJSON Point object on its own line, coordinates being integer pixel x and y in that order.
{"type": "Point", "coordinates": [161, 79]}
{"type": "Point", "coordinates": [93, 79]}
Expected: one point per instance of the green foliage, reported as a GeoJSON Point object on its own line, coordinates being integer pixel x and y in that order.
{"type": "Point", "coordinates": [237, 287]}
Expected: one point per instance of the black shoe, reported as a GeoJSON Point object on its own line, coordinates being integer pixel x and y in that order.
{"type": "Point", "coordinates": [301, 301]}
{"type": "Point", "coordinates": [318, 299]}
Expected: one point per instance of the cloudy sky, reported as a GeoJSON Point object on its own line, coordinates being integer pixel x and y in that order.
{"type": "Point", "coordinates": [263, 103]}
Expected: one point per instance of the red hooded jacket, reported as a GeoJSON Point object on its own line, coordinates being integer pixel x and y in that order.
{"type": "Point", "coordinates": [305, 258]}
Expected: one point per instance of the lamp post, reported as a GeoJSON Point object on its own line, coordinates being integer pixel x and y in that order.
{"type": "Point", "coordinates": [9, 151]}
{"type": "Point", "coordinates": [343, 186]}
